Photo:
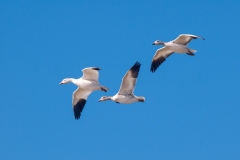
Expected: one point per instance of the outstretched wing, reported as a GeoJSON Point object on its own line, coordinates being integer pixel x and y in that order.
{"type": "Point", "coordinates": [91, 73]}
{"type": "Point", "coordinates": [79, 100]}
{"type": "Point", "coordinates": [185, 38]}
{"type": "Point", "coordinates": [129, 79]}
{"type": "Point", "coordinates": [159, 57]}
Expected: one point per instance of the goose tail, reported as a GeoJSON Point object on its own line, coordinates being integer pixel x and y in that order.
{"type": "Point", "coordinates": [104, 89]}
{"type": "Point", "coordinates": [192, 50]}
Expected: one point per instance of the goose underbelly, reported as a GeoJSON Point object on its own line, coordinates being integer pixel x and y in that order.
{"type": "Point", "coordinates": [125, 99]}
{"type": "Point", "coordinates": [88, 85]}
{"type": "Point", "coordinates": [178, 48]}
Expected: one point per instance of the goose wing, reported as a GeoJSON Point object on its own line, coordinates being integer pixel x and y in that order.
{"type": "Point", "coordinates": [159, 57]}
{"type": "Point", "coordinates": [186, 38]}
{"type": "Point", "coordinates": [129, 79]}
{"type": "Point", "coordinates": [79, 100]}
{"type": "Point", "coordinates": [91, 73]}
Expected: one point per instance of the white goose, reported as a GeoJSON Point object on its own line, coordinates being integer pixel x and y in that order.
{"type": "Point", "coordinates": [178, 45]}
{"type": "Point", "coordinates": [86, 85]}
{"type": "Point", "coordinates": [125, 94]}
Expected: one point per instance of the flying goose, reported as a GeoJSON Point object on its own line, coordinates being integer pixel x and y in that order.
{"type": "Point", "coordinates": [178, 45]}
{"type": "Point", "coordinates": [125, 94]}
{"type": "Point", "coordinates": [86, 85]}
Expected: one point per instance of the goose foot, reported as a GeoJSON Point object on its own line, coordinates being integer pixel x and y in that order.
{"type": "Point", "coordinates": [190, 53]}
{"type": "Point", "coordinates": [103, 89]}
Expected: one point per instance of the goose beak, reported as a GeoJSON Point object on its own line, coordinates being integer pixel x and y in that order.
{"type": "Point", "coordinates": [60, 83]}
{"type": "Point", "coordinates": [153, 43]}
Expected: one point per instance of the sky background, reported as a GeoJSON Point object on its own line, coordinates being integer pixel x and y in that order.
{"type": "Point", "coordinates": [192, 107]}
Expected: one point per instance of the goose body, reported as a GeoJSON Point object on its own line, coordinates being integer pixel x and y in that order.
{"type": "Point", "coordinates": [125, 94]}
{"type": "Point", "coordinates": [86, 85]}
{"type": "Point", "coordinates": [178, 48]}
{"type": "Point", "coordinates": [125, 98]}
{"type": "Point", "coordinates": [179, 45]}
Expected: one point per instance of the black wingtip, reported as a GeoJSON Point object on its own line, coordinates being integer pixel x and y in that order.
{"type": "Point", "coordinates": [78, 108]}
{"type": "Point", "coordinates": [199, 37]}
{"type": "Point", "coordinates": [137, 64]}
{"type": "Point", "coordinates": [135, 69]}
{"type": "Point", "coordinates": [152, 69]}
{"type": "Point", "coordinates": [156, 63]}
{"type": "Point", "coordinates": [96, 68]}
{"type": "Point", "coordinates": [77, 118]}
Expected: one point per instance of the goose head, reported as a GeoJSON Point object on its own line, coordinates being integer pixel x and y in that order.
{"type": "Point", "coordinates": [104, 98]}
{"type": "Point", "coordinates": [66, 80]}
{"type": "Point", "coordinates": [157, 42]}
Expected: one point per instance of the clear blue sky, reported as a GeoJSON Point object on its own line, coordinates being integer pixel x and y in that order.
{"type": "Point", "coordinates": [192, 107]}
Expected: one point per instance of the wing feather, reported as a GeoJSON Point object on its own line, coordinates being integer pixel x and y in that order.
{"type": "Point", "coordinates": [159, 57]}
{"type": "Point", "coordinates": [91, 73]}
{"type": "Point", "coordinates": [185, 38]}
{"type": "Point", "coordinates": [79, 100]}
{"type": "Point", "coordinates": [129, 79]}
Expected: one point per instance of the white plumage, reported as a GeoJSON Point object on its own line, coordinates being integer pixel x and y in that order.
{"type": "Point", "coordinates": [178, 45]}
{"type": "Point", "coordinates": [86, 85]}
{"type": "Point", "coordinates": [125, 94]}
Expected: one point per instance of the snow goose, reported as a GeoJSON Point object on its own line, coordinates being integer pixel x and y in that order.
{"type": "Point", "coordinates": [125, 94]}
{"type": "Point", "coordinates": [178, 45]}
{"type": "Point", "coordinates": [86, 85]}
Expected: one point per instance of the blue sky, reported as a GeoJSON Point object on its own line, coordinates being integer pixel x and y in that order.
{"type": "Point", "coordinates": [192, 103]}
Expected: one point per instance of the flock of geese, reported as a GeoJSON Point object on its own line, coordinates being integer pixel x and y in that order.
{"type": "Point", "coordinates": [89, 81]}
